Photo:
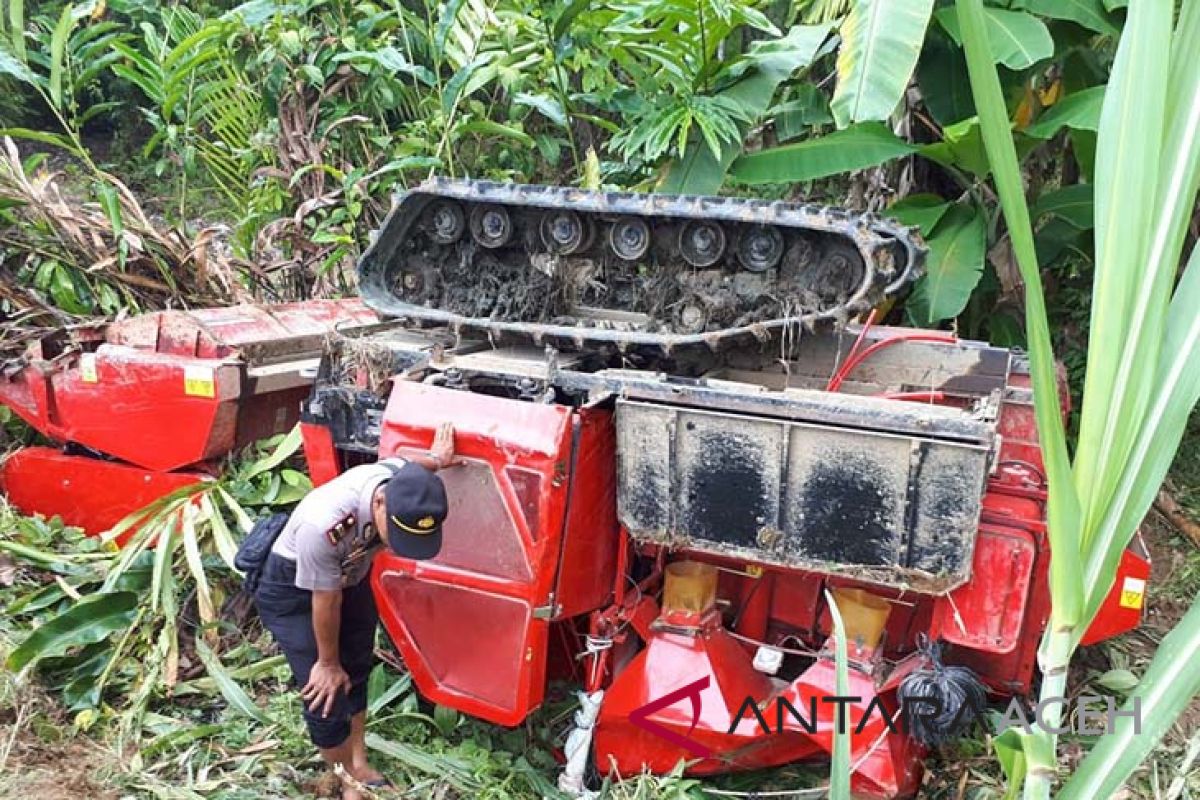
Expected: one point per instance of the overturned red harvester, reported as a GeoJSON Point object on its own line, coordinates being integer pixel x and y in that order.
{"type": "Point", "coordinates": [674, 448]}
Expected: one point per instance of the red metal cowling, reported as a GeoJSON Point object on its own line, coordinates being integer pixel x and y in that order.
{"type": "Point", "coordinates": [167, 393]}
{"type": "Point", "coordinates": [885, 762]}
{"type": "Point", "coordinates": [532, 504]}
{"type": "Point", "coordinates": [85, 492]}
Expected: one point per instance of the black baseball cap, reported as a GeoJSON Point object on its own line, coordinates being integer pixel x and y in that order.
{"type": "Point", "coordinates": [416, 506]}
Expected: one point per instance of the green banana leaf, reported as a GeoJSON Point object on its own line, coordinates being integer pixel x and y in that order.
{"type": "Point", "coordinates": [881, 40]}
{"type": "Point", "coordinates": [90, 620]}
{"type": "Point", "coordinates": [866, 144]}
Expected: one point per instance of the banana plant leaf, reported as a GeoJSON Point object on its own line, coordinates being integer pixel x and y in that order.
{"type": "Point", "coordinates": [90, 620]}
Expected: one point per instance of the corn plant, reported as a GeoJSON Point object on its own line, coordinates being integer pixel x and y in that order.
{"type": "Point", "coordinates": [1143, 375]}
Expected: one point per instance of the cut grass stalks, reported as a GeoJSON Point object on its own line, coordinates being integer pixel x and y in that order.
{"type": "Point", "coordinates": [1144, 358]}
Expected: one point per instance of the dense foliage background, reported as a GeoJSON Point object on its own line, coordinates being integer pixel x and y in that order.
{"type": "Point", "coordinates": [270, 135]}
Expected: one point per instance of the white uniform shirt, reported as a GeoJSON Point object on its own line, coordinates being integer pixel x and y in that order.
{"type": "Point", "coordinates": [331, 535]}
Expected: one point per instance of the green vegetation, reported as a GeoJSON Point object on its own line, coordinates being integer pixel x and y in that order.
{"type": "Point", "coordinates": [162, 154]}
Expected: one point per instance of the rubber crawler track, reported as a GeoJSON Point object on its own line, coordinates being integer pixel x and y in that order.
{"type": "Point", "coordinates": [892, 257]}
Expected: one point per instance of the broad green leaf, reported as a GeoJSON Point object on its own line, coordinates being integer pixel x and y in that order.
{"type": "Point", "coordinates": [222, 538]}
{"type": "Point", "coordinates": [90, 620]}
{"type": "Point", "coordinates": [1083, 148]}
{"type": "Point", "coordinates": [182, 736]}
{"type": "Point", "coordinates": [106, 193]}
{"type": "Point", "coordinates": [1015, 39]}
{"type": "Point", "coordinates": [446, 719]}
{"type": "Point", "coordinates": [807, 106]}
{"type": "Point", "coordinates": [1078, 111]}
{"type": "Point", "coordinates": [866, 144]}
{"type": "Point", "coordinates": [487, 127]}
{"type": "Point", "coordinates": [1005, 330]}
{"type": "Point", "coordinates": [453, 770]}
{"type": "Point", "coordinates": [1071, 203]}
{"type": "Point", "coordinates": [952, 270]}
{"type": "Point", "coordinates": [58, 56]}
{"type": "Point", "coordinates": [1179, 177]}
{"type": "Point", "coordinates": [779, 58]}
{"type": "Point", "coordinates": [40, 136]}
{"type": "Point", "coordinates": [449, 13]}
{"type": "Point", "coordinates": [565, 17]}
{"type": "Point", "coordinates": [881, 40]}
{"type": "Point", "coordinates": [234, 694]}
{"type": "Point", "coordinates": [922, 210]}
{"type": "Point", "coordinates": [1088, 13]}
{"type": "Point", "coordinates": [940, 76]}
{"type": "Point", "coordinates": [699, 171]}
{"type": "Point", "coordinates": [12, 66]}
{"type": "Point", "coordinates": [285, 449]}
{"type": "Point", "coordinates": [548, 106]}
{"type": "Point", "coordinates": [1056, 237]}
{"type": "Point", "coordinates": [256, 13]}
{"type": "Point", "coordinates": [1170, 683]}
{"type": "Point", "coordinates": [961, 147]}
{"type": "Point", "coordinates": [195, 562]}
{"type": "Point", "coordinates": [839, 766]}
{"type": "Point", "coordinates": [384, 686]}
{"type": "Point", "coordinates": [243, 519]}
{"type": "Point", "coordinates": [1117, 680]}
{"type": "Point", "coordinates": [1011, 755]}
{"type": "Point", "coordinates": [164, 551]}
{"type": "Point", "coordinates": [1177, 390]}
{"type": "Point", "coordinates": [16, 25]}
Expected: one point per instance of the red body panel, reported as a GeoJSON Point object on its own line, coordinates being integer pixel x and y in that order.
{"type": "Point", "coordinates": [1122, 609]}
{"type": "Point", "coordinates": [504, 536]}
{"type": "Point", "coordinates": [885, 764]}
{"type": "Point", "coordinates": [85, 492]}
{"type": "Point", "coordinates": [171, 389]}
{"type": "Point", "coordinates": [320, 453]}
{"type": "Point", "coordinates": [223, 332]}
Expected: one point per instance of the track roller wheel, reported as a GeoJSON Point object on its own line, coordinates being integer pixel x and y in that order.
{"type": "Point", "coordinates": [564, 232]}
{"type": "Point", "coordinates": [701, 243]}
{"type": "Point", "coordinates": [491, 227]}
{"type": "Point", "coordinates": [446, 222]}
{"type": "Point", "coordinates": [629, 238]}
{"type": "Point", "coordinates": [760, 247]}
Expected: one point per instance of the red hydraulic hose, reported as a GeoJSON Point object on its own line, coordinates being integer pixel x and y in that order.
{"type": "Point", "coordinates": [856, 359]}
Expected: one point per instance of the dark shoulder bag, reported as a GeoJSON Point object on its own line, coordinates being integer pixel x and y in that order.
{"type": "Point", "coordinates": [253, 551]}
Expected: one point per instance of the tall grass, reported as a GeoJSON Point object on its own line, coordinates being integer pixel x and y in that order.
{"type": "Point", "coordinates": [1143, 376]}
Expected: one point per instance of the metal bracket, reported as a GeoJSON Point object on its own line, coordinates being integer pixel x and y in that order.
{"type": "Point", "coordinates": [549, 611]}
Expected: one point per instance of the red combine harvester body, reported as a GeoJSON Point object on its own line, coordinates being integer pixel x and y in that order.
{"type": "Point", "coordinates": [540, 576]}
{"type": "Point", "coordinates": [145, 406]}
{"type": "Point", "coordinates": [675, 451]}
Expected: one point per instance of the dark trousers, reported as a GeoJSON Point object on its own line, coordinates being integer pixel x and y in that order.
{"type": "Point", "coordinates": [286, 611]}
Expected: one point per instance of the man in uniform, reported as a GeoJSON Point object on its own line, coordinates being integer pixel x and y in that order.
{"type": "Point", "coordinates": [315, 597]}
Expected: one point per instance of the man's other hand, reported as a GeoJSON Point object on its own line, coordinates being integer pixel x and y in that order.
{"type": "Point", "coordinates": [325, 680]}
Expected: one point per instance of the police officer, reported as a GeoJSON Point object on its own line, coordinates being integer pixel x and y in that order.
{"type": "Point", "coordinates": [315, 598]}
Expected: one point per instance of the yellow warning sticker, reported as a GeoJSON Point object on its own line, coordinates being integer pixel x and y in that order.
{"type": "Point", "coordinates": [199, 382]}
{"type": "Point", "coordinates": [1133, 592]}
{"type": "Point", "coordinates": [87, 368]}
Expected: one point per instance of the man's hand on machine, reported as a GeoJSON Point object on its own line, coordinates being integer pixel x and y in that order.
{"type": "Point", "coordinates": [442, 451]}
{"type": "Point", "coordinates": [325, 680]}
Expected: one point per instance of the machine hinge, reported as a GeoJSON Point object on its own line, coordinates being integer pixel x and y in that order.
{"type": "Point", "coordinates": [548, 611]}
